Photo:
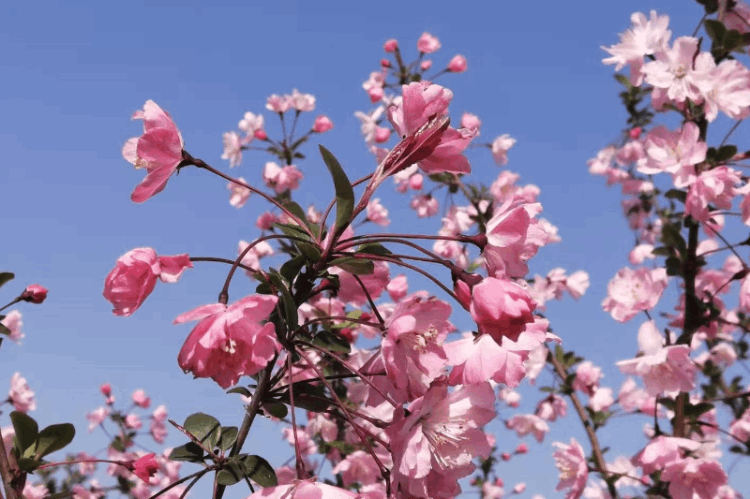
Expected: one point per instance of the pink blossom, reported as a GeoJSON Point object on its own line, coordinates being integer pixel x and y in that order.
{"type": "Point", "coordinates": [377, 213]}
{"type": "Point", "coordinates": [278, 103]}
{"type": "Point", "coordinates": [523, 424]}
{"type": "Point", "coordinates": [141, 399]}
{"type": "Point", "coordinates": [306, 444]}
{"type": "Point", "coordinates": [97, 417]}
{"type": "Point", "coordinates": [322, 124]}
{"type": "Point", "coordinates": [238, 193]}
{"type": "Point", "coordinates": [457, 64]}
{"type": "Point", "coordinates": [507, 251]}
{"type": "Point", "coordinates": [428, 44]}
{"type": "Point", "coordinates": [20, 394]}
{"type": "Point", "coordinates": [714, 187]}
{"type": "Point", "coordinates": [694, 477]}
{"type": "Point", "coordinates": [673, 74]}
{"type": "Point", "coordinates": [157, 428]}
{"type": "Point", "coordinates": [571, 461]}
{"type": "Point", "coordinates": [390, 45]}
{"type": "Point", "coordinates": [726, 87]}
{"type": "Point", "coordinates": [661, 452]}
{"type": "Point", "coordinates": [601, 400]}
{"type": "Point", "coordinates": [632, 291]}
{"type": "Point", "coordinates": [158, 150]}
{"type": "Point", "coordinates": [374, 283]}
{"type": "Point", "coordinates": [133, 421]}
{"type": "Point", "coordinates": [587, 378]}
{"type": "Point", "coordinates": [230, 341]}
{"type": "Point", "coordinates": [13, 322]}
{"type": "Point", "coordinates": [500, 147]}
{"type": "Point", "coordinates": [359, 466]}
{"type": "Point", "coordinates": [431, 143]}
{"type": "Point", "coordinates": [434, 445]}
{"type": "Point", "coordinates": [640, 253]}
{"type": "Point", "coordinates": [674, 152]}
{"type": "Point", "coordinates": [501, 308]}
{"type": "Point", "coordinates": [34, 293]}
{"type": "Point", "coordinates": [303, 489]}
{"type": "Point", "coordinates": [397, 287]}
{"type": "Point", "coordinates": [252, 124]}
{"type": "Point", "coordinates": [519, 488]}
{"type": "Point", "coordinates": [38, 491]}
{"type": "Point", "coordinates": [492, 490]}
{"type": "Point", "coordinates": [106, 389]}
{"type": "Point", "coordinates": [266, 220]}
{"type": "Point", "coordinates": [146, 467]}
{"type": "Point", "coordinates": [551, 408]}
{"type": "Point", "coordinates": [253, 255]}
{"type": "Point", "coordinates": [471, 121]}
{"type": "Point", "coordinates": [134, 277]}
{"type": "Point", "coordinates": [413, 343]}
{"type": "Point", "coordinates": [425, 65]}
{"type": "Point", "coordinates": [301, 102]}
{"type": "Point", "coordinates": [232, 148]}
{"type": "Point", "coordinates": [645, 37]}
{"type": "Point", "coordinates": [425, 205]}
{"type": "Point", "coordinates": [280, 178]}
{"type": "Point", "coordinates": [374, 86]}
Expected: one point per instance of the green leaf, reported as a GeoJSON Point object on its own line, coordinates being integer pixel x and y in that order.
{"type": "Point", "coordinates": [231, 473]}
{"type": "Point", "coordinates": [228, 437]}
{"type": "Point", "coordinates": [725, 153]}
{"type": "Point", "coordinates": [674, 266]}
{"type": "Point", "coordinates": [190, 452]}
{"type": "Point", "coordinates": [344, 191]}
{"type": "Point", "coordinates": [5, 277]}
{"type": "Point", "coordinates": [661, 251]}
{"type": "Point", "coordinates": [676, 194]}
{"type": "Point", "coordinates": [624, 80]}
{"type": "Point", "coordinates": [4, 329]}
{"type": "Point", "coordinates": [697, 409]}
{"type": "Point", "coordinates": [296, 210]}
{"type": "Point", "coordinates": [358, 266]}
{"type": "Point", "coordinates": [331, 342]}
{"type": "Point", "coordinates": [292, 230]}
{"type": "Point", "coordinates": [715, 30]}
{"type": "Point", "coordinates": [299, 142]}
{"type": "Point", "coordinates": [26, 429]}
{"type": "Point", "coordinates": [312, 253]}
{"type": "Point", "coordinates": [54, 437]}
{"type": "Point", "coordinates": [276, 409]}
{"type": "Point", "coordinates": [205, 428]}
{"type": "Point", "coordinates": [28, 464]}
{"type": "Point", "coordinates": [374, 249]}
{"type": "Point", "coordinates": [241, 390]}
{"type": "Point", "coordinates": [259, 471]}
{"type": "Point", "coordinates": [290, 308]}
{"type": "Point", "coordinates": [292, 267]}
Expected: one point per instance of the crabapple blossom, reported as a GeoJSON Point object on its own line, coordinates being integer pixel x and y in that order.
{"type": "Point", "coordinates": [232, 148]}
{"type": "Point", "coordinates": [425, 206]}
{"type": "Point", "coordinates": [97, 417]}
{"type": "Point", "coordinates": [229, 341]}
{"type": "Point", "coordinates": [238, 194]}
{"type": "Point", "coordinates": [141, 399]}
{"type": "Point", "coordinates": [278, 103]}
{"type": "Point", "coordinates": [158, 150]}
{"type": "Point", "coordinates": [280, 178]}
{"type": "Point", "coordinates": [726, 87]}
{"type": "Point", "coordinates": [20, 394]}
{"type": "Point", "coordinates": [34, 293]}
{"type": "Point", "coordinates": [425, 65]}
{"type": "Point", "coordinates": [552, 407]}
{"type": "Point", "coordinates": [632, 291]}
{"type": "Point", "coordinates": [601, 399]}
{"type": "Point", "coordinates": [587, 378]}
{"type": "Point", "coordinates": [398, 287]}
{"type": "Point", "coordinates": [390, 45]}
{"type": "Point", "coordinates": [713, 187]}
{"type": "Point", "coordinates": [673, 73]}
{"type": "Point", "coordinates": [303, 489]}
{"type": "Point", "coordinates": [646, 37]}
{"type": "Point", "coordinates": [428, 43]}
{"type": "Point", "coordinates": [135, 274]}
{"type": "Point", "coordinates": [374, 283]}
{"type": "Point", "coordinates": [38, 491]}
{"type": "Point", "coordinates": [252, 124]}
{"type": "Point", "coordinates": [571, 461]}
{"type": "Point", "coordinates": [675, 152]}
{"type": "Point", "coordinates": [457, 64]}
{"type": "Point", "coordinates": [374, 86]}
{"type": "Point", "coordinates": [146, 467]}
{"type": "Point", "coordinates": [14, 323]}
{"type": "Point", "coordinates": [322, 124]}
{"type": "Point", "coordinates": [523, 424]}
{"type": "Point", "coordinates": [377, 213]}
{"type": "Point", "coordinates": [471, 121]}
{"type": "Point", "coordinates": [500, 147]}
{"type": "Point", "coordinates": [690, 477]}
{"type": "Point", "coordinates": [301, 102]}
{"type": "Point", "coordinates": [501, 308]}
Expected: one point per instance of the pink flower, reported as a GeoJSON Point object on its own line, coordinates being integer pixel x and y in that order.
{"type": "Point", "coordinates": [471, 121]}
{"type": "Point", "coordinates": [303, 489]}
{"type": "Point", "coordinates": [425, 65]}
{"type": "Point", "coordinates": [632, 291]}
{"type": "Point", "coordinates": [322, 124]}
{"type": "Point", "coordinates": [501, 308]}
{"type": "Point", "coordinates": [34, 293]}
{"type": "Point", "coordinates": [571, 461]}
{"type": "Point", "coordinates": [413, 343]}
{"type": "Point", "coordinates": [106, 389]}
{"type": "Point", "coordinates": [302, 102]}
{"type": "Point", "coordinates": [508, 246]}
{"type": "Point", "coordinates": [377, 213]}
{"type": "Point", "coordinates": [425, 205]}
{"type": "Point", "coordinates": [253, 255]}
{"type": "Point", "coordinates": [141, 399]}
{"type": "Point", "coordinates": [38, 491]}
{"type": "Point", "coordinates": [359, 466]}
{"type": "Point", "coordinates": [230, 341]}
{"type": "Point", "coordinates": [133, 421]}
{"type": "Point", "coordinates": [714, 187]}
{"type": "Point", "coordinates": [232, 148]}
{"type": "Point", "coordinates": [398, 287]}
{"type": "Point", "coordinates": [158, 150]}
{"type": "Point", "coordinates": [523, 424]}
{"type": "Point", "coordinates": [266, 220]}
{"type": "Point", "coordinates": [374, 86]}
{"type": "Point", "coordinates": [20, 394]}
{"type": "Point", "coordinates": [390, 45]}
{"type": "Point", "coordinates": [97, 417]}
{"type": "Point", "coordinates": [661, 452]}
{"type": "Point", "coordinates": [640, 253]}
{"type": "Point", "coordinates": [694, 477]}
{"type": "Point", "coordinates": [601, 400]}
{"type": "Point", "coordinates": [457, 64]}
{"type": "Point", "coordinates": [645, 37]}
{"type": "Point", "coordinates": [278, 103]}
{"type": "Point", "coordinates": [146, 467]}
{"type": "Point", "coordinates": [519, 488]}
{"type": "Point", "coordinates": [551, 408]}
{"type": "Point", "coordinates": [428, 43]}
{"type": "Point", "coordinates": [726, 88]}
{"type": "Point", "coordinates": [238, 193]}
{"type": "Point", "coordinates": [500, 148]}
{"type": "Point", "coordinates": [281, 178]}
{"type": "Point", "coordinates": [252, 125]}
{"type": "Point", "coordinates": [674, 152]}
{"type": "Point", "coordinates": [13, 322]}
{"type": "Point", "coordinates": [673, 74]}
{"type": "Point", "coordinates": [587, 378]}
{"type": "Point", "coordinates": [134, 277]}
{"type": "Point", "coordinates": [429, 141]}
{"type": "Point", "coordinates": [157, 428]}
{"type": "Point", "coordinates": [434, 445]}
{"type": "Point", "coordinates": [374, 283]}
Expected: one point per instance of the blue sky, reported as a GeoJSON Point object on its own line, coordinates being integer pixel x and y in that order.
{"type": "Point", "coordinates": [75, 71]}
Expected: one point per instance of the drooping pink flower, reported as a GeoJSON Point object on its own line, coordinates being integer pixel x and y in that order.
{"type": "Point", "coordinates": [158, 150]}
{"type": "Point", "coordinates": [457, 64]}
{"type": "Point", "coordinates": [425, 205]}
{"type": "Point", "coordinates": [146, 467]}
{"type": "Point", "coordinates": [374, 86]}
{"type": "Point", "coordinates": [135, 274]}
{"type": "Point", "coordinates": [238, 194]}
{"type": "Point", "coordinates": [359, 466]}
{"type": "Point", "coordinates": [413, 344]}
{"type": "Point", "coordinates": [551, 408]}
{"type": "Point", "coordinates": [252, 125]}
{"type": "Point", "coordinates": [157, 427]}
{"type": "Point", "coordinates": [13, 322]}
{"type": "Point", "coordinates": [571, 461]}
{"type": "Point", "coordinates": [303, 489]}
{"type": "Point", "coordinates": [428, 43]}
{"type": "Point", "coordinates": [230, 341]}
{"type": "Point", "coordinates": [266, 220]}
{"type": "Point", "coordinates": [280, 178]}
{"type": "Point", "coordinates": [398, 287]}
{"type": "Point", "coordinates": [501, 308]}
{"type": "Point", "coordinates": [418, 116]}
{"type": "Point", "coordinates": [377, 213]}
{"type": "Point", "coordinates": [141, 399]}
{"type": "Point", "coordinates": [425, 65]}
{"type": "Point", "coordinates": [632, 291]}
{"type": "Point", "coordinates": [34, 293]}
{"type": "Point", "coordinates": [132, 421]}
{"type": "Point", "coordinates": [97, 417]}
{"type": "Point", "coordinates": [322, 124]}
{"type": "Point", "coordinates": [20, 394]}
{"type": "Point", "coordinates": [500, 147]}
{"type": "Point", "coordinates": [434, 445]}
{"type": "Point", "coordinates": [232, 148]}
{"type": "Point", "coordinates": [690, 477]}
{"type": "Point", "coordinates": [524, 424]}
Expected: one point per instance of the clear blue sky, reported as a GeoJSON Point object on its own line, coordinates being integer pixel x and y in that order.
{"type": "Point", "coordinates": [75, 71]}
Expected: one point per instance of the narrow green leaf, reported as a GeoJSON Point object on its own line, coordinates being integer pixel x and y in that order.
{"type": "Point", "coordinates": [358, 266]}
{"type": "Point", "coordinates": [205, 428]}
{"type": "Point", "coordinates": [5, 277]}
{"type": "Point", "coordinates": [54, 437]}
{"type": "Point", "coordinates": [296, 210]}
{"type": "Point", "coordinates": [4, 330]}
{"type": "Point", "coordinates": [259, 471]}
{"type": "Point", "coordinates": [374, 249]}
{"type": "Point", "coordinates": [190, 452]}
{"type": "Point", "coordinates": [344, 191]}
{"type": "Point", "coordinates": [26, 429]}
{"type": "Point", "coordinates": [331, 342]}
{"type": "Point", "coordinates": [292, 230]}
{"type": "Point", "coordinates": [290, 308]}
{"type": "Point", "coordinates": [241, 390]}
{"type": "Point", "coordinates": [676, 194]}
